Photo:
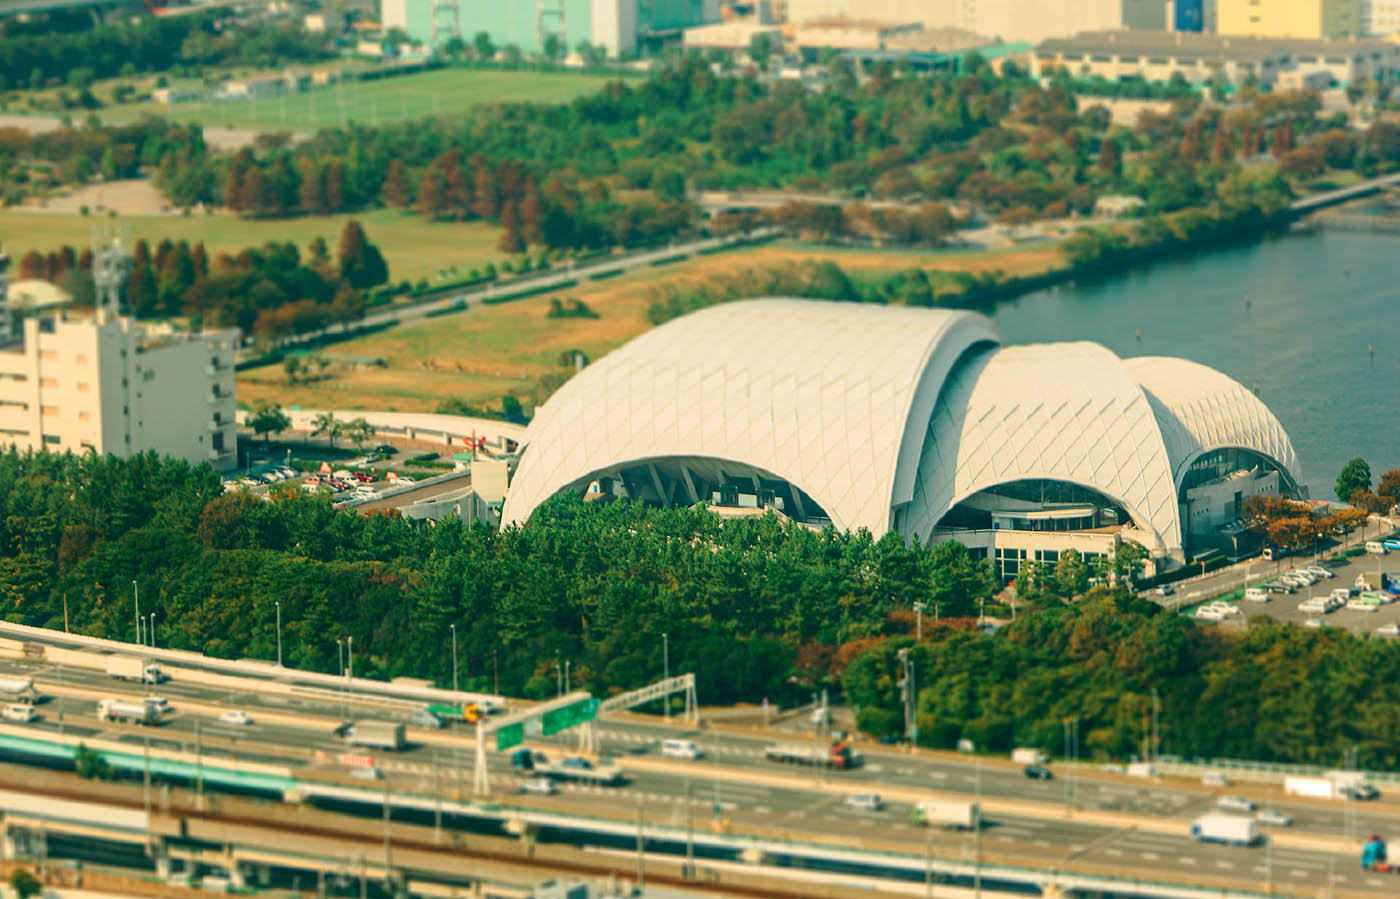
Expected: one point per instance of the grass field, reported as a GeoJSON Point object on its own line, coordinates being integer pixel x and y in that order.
{"type": "Point", "coordinates": [405, 97]}
{"type": "Point", "coordinates": [508, 348]}
{"type": "Point", "coordinates": [414, 247]}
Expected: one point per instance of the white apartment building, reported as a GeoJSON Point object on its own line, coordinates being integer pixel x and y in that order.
{"type": "Point", "coordinates": [1004, 20]}
{"type": "Point", "coordinates": [104, 382]}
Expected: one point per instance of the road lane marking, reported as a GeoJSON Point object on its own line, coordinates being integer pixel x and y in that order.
{"type": "Point", "coordinates": [1187, 860]}
{"type": "Point", "coordinates": [1221, 863]}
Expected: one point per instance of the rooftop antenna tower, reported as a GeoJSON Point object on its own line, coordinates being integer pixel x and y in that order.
{"type": "Point", "coordinates": [111, 268]}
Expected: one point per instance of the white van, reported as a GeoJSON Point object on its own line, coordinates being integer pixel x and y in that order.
{"type": "Point", "coordinates": [1375, 547]}
{"type": "Point", "coordinates": [680, 749]}
{"type": "Point", "coordinates": [1256, 594]}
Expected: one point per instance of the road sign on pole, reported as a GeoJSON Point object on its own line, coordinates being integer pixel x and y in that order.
{"type": "Point", "coordinates": [553, 721]}
{"type": "Point", "coordinates": [509, 736]}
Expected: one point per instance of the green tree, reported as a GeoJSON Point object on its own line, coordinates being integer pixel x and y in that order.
{"type": "Point", "coordinates": [291, 367]}
{"type": "Point", "coordinates": [358, 431]}
{"type": "Point", "coordinates": [268, 418]}
{"type": "Point", "coordinates": [761, 50]}
{"type": "Point", "coordinates": [326, 423]}
{"type": "Point", "coordinates": [483, 46]}
{"type": "Point", "coordinates": [90, 764]}
{"type": "Point", "coordinates": [25, 884]}
{"type": "Point", "coordinates": [1072, 574]}
{"type": "Point", "coordinates": [361, 263]}
{"type": "Point", "coordinates": [1354, 476]}
{"type": "Point", "coordinates": [1388, 487]}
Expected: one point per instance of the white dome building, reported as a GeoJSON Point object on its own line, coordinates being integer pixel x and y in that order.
{"type": "Point", "coordinates": [912, 420]}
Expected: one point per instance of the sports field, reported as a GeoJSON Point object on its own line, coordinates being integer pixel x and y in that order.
{"type": "Point", "coordinates": [414, 247]}
{"type": "Point", "coordinates": [440, 92]}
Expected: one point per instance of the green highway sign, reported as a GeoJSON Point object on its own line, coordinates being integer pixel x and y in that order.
{"type": "Point", "coordinates": [580, 712]}
{"type": "Point", "coordinates": [510, 735]}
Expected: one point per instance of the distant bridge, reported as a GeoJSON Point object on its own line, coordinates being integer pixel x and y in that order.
{"type": "Point", "coordinates": [1344, 194]}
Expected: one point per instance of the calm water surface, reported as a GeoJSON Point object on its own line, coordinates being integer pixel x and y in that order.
{"type": "Point", "coordinates": [1315, 303]}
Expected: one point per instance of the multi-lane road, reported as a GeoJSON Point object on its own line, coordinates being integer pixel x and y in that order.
{"type": "Point", "coordinates": [1094, 820]}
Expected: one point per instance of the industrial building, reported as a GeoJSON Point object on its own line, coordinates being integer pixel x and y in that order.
{"type": "Point", "coordinates": [1198, 57]}
{"type": "Point", "coordinates": [622, 27]}
{"type": "Point", "coordinates": [97, 380]}
{"type": "Point", "coordinates": [999, 20]}
{"type": "Point", "coordinates": [915, 421]}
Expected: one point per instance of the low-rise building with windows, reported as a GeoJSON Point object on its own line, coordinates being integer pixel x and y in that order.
{"type": "Point", "coordinates": [98, 381]}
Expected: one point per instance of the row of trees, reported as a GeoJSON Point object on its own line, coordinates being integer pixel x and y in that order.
{"type": "Point", "coordinates": [269, 291]}
{"type": "Point", "coordinates": [747, 605]}
{"type": "Point", "coordinates": [35, 57]}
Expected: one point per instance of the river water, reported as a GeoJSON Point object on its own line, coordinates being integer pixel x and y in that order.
{"type": "Point", "coordinates": [1291, 318]}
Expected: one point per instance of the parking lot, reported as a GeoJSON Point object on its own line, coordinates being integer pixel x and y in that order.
{"type": "Point", "coordinates": [1284, 606]}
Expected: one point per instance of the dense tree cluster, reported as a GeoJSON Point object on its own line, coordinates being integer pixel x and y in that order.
{"type": "Point", "coordinates": [1274, 692]}
{"type": "Point", "coordinates": [63, 44]}
{"type": "Point", "coordinates": [269, 291]}
{"type": "Point", "coordinates": [746, 604]}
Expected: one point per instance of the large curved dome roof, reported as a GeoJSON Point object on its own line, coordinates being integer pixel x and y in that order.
{"type": "Point", "coordinates": [888, 417]}
{"type": "Point", "coordinates": [1199, 410]}
{"type": "Point", "coordinates": [1058, 411]}
{"type": "Point", "coordinates": [822, 394]}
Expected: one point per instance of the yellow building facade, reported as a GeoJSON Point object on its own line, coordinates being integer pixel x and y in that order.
{"type": "Point", "coordinates": [1310, 19]}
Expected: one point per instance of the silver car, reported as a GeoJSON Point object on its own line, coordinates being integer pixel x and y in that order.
{"type": "Point", "coordinates": [539, 786]}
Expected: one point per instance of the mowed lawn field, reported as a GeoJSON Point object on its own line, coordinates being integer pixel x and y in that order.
{"type": "Point", "coordinates": [479, 355]}
{"type": "Point", "coordinates": [414, 247]}
{"type": "Point", "coordinates": [441, 92]}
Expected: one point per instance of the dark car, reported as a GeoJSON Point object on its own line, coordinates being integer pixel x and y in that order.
{"type": "Point", "coordinates": [1039, 772]}
{"type": "Point", "coordinates": [386, 449]}
{"type": "Point", "coordinates": [522, 760]}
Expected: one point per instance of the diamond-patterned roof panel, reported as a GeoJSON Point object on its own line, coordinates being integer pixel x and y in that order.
{"type": "Point", "coordinates": [1200, 409]}
{"type": "Point", "coordinates": [819, 393]}
{"type": "Point", "coordinates": [1067, 411]}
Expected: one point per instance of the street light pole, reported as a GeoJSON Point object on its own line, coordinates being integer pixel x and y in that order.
{"type": "Point", "coordinates": [919, 622]}
{"type": "Point", "coordinates": [279, 634]}
{"type": "Point", "coordinates": [454, 657]}
{"type": "Point", "coordinates": [151, 631]}
{"type": "Point", "coordinates": [666, 669]}
{"type": "Point", "coordinates": [136, 595]}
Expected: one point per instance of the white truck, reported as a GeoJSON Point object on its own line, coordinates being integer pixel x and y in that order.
{"type": "Point", "coordinates": [376, 734]}
{"type": "Point", "coordinates": [1216, 827]}
{"type": "Point", "coordinates": [958, 814]}
{"type": "Point", "coordinates": [137, 669]}
{"type": "Point", "coordinates": [1026, 756]}
{"type": "Point", "coordinates": [19, 689]}
{"type": "Point", "coordinates": [137, 712]}
{"type": "Point", "coordinates": [1331, 785]}
{"type": "Point", "coordinates": [580, 770]}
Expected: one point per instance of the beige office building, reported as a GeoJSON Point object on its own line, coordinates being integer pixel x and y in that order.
{"type": "Point", "coordinates": [1003, 20]}
{"type": "Point", "coordinates": [103, 382]}
{"type": "Point", "coordinates": [1310, 19]}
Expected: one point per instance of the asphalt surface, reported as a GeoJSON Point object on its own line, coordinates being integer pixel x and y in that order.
{"type": "Point", "coordinates": [728, 788]}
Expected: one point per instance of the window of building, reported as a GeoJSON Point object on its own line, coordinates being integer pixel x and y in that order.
{"type": "Point", "coordinates": [84, 416]}
{"type": "Point", "coordinates": [13, 432]}
{"type": "Point", "coordinates": [13, 376]}
{"type": "Point", "coordinates": [48, 383]}
{"type": "Point", "coordinates": [82, 359]}
{"type": "Point", "coordinates": [48, 355]}
{"type": "Point", "coordinates": [148, 375]}
{"type": "Point", "coordinates": [48, 410]}
{"type": "Point", "coordinates": [218, 441]}
{"type": "Point", "coordinates": [82, 387]}
{"type": "Point", "coordinates": [51, 438]}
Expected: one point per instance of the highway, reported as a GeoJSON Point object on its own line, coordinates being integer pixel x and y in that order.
{"type": "Point", "coordinates": [1102, 820]}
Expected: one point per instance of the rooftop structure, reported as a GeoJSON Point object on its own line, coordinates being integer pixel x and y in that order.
{"type": "Point", "coordinates": [1159, 56]}
{"type": "Point", "coordinates": [1309, 19]}
{"type": "Point", "coordinates": [911, 420]}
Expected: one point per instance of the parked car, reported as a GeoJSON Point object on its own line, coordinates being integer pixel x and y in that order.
{"type": "Point", "coordinates": [1391, 543]}
{"type": "Point", "coordinates": [539, 786]}
{"type": "Point", "coordinates": [405, 481]}
{"type": "Point", "coordinates": [1235, 804]}
{"type": "Point", "coordinates": [1037, 771]}
{"type": "Point", "coordinates": [1215, 779]}
{"type": "Point", "coordinates": [1319, 571]}
{"type": "Point", "coordinates": [1389, 630]}
{"type": "Point", "coordinates": [1279, 587]}
{"type": "Point", "coordinates": [1314, 623]}
{"type": "Point", "coordinates": [1165, 590]}
{"type": "Point", "coordinates": [235, 716]}
{"type": "Point", "coordinates": [364, 477]}
{"type": "Point", "coordinates": [1273, 819]}
{"type": "Point", "coordinates": [385, 449]}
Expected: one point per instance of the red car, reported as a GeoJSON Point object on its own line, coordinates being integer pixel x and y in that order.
{"type": "Point", "coordinates": [364, 477]}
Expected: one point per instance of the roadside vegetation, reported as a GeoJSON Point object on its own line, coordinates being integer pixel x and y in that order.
{"type": "Point", "coordinates": [754, 607]}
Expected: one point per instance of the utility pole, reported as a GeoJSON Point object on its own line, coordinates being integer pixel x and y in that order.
{"type": "Point", "coordinates": [136, 596]}
{"type": "Point", "coordinates": [454, 657]}
{"type": "Point", "coordinates": [151, 631]}
{"type": "Point", "coordinates": [919, 622]}
{"type": "Point", "coordinates": [279, 634]}
{"type": "Point", "coordinates": [666, 670]}
{"type": "Point", "coordinates": [906, 684]}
